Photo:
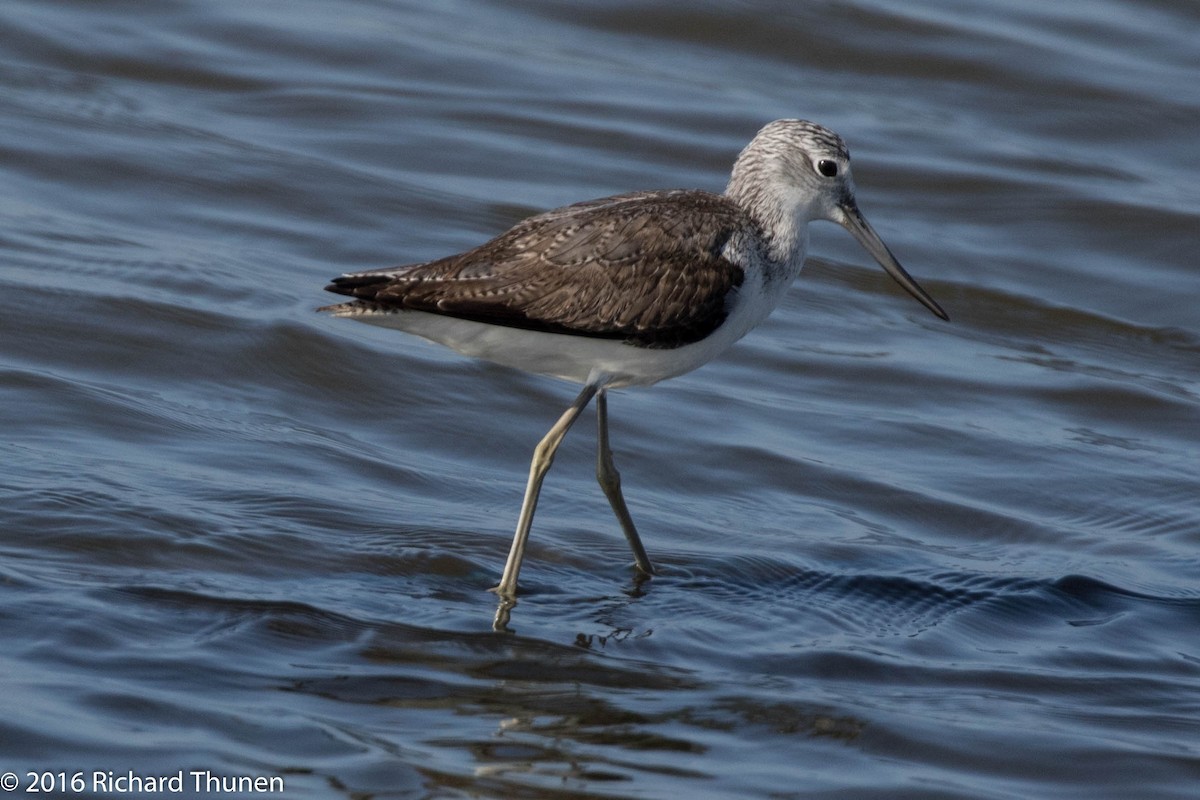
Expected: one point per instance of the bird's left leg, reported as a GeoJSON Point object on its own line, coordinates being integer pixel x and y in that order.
{"type": "Point", "coordinates": [543, 457]}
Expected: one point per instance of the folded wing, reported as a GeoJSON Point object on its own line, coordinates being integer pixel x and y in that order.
{"type": "Point", "coordinates": [627, 267]}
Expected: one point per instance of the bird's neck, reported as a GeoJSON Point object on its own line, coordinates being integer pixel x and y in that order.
{"type": "Point", "coordinates": [779, 212]}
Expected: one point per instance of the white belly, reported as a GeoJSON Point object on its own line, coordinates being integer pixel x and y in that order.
{"type": "Point", "coordinates": [584, 359]}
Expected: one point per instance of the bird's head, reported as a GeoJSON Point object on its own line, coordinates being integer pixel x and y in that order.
{"type": "Point", "coordinates": [795, 172]}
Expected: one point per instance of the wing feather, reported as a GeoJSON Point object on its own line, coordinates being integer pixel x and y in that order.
{"type": "Point", "coordinates": [648, 267]}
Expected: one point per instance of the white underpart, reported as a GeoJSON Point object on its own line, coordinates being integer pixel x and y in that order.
{"type": "Point", "coordinates": [611, 363]}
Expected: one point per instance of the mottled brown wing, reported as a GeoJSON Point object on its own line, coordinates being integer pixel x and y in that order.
{"type": "Point", "coordinates": [645, 267]}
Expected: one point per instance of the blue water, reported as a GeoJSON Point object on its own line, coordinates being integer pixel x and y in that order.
{"type": "Point", "coordinates": [899, 557]}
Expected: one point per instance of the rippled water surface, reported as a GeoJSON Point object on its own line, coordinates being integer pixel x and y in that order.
{"type": "Point", "coordinates": [899, 557]}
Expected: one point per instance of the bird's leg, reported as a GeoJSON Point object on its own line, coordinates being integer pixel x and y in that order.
{"type": "Point", "coordinates": [610, 482]}
{"type": "Point", "coordinates": [543, 457]}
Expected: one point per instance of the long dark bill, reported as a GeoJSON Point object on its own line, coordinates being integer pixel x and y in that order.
{"type": "Point", "coordinates": [868, 238]}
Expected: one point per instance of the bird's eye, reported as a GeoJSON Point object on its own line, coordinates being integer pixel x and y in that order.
{"type": "Point", "coordinates": [827, 168]}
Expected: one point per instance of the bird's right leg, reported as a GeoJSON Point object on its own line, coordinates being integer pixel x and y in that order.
{"type": "Point", "coordinates": [610, 482]}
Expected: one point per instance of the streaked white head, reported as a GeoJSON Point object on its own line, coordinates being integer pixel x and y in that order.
{"type": "Point", "coordinates": [795, 172]}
